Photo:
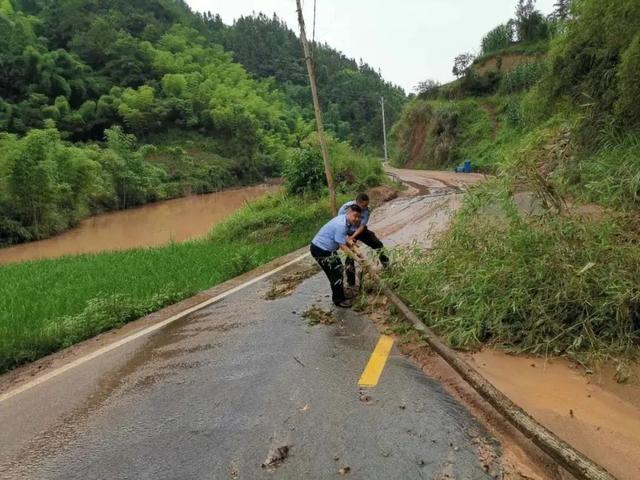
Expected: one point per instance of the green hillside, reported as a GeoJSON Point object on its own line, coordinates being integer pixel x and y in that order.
{"type": "Point", "coordinates": [110, 104]}
{"type": "Point", "coordinates": [562, 133]}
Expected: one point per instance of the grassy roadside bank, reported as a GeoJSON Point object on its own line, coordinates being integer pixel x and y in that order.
{"type": "Point", "coordinates": [546, 285]}
{"type": "Point", "coordinates": [51, 304]}
{"type": "Point", "coordinates": [561, 278]}
{"type": "Point", "coordinates": [545, 258]}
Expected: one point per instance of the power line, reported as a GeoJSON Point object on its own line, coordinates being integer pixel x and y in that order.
{"type": "Point", "coordinates": [313, 38]}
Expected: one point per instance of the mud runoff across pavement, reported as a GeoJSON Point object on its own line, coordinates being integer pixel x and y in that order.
{"type": "Point", "coordinates": [247, 382]}
{"type": "Point", "coordinates": [221, 390]}
{"type": "Point", "coordinates": [242, 383]}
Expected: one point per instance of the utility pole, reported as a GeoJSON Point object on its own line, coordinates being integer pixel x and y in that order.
{"type": "Point", "coordinates": [316, 106]}
{"type": "Point", "coordinates": [384, 131]}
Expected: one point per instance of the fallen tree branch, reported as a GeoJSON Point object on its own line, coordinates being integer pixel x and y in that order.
{"type": "Point", "coordinates": [564, 454]}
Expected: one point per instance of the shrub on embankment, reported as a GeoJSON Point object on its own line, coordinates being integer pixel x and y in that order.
{"type": "Point", "coordinates": [352, 169]}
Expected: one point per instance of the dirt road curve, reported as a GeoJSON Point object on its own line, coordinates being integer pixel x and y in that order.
{"type": "Point", "coordinates": [435, 181]}
{"type": "Point", "coordinates": [216, 393]}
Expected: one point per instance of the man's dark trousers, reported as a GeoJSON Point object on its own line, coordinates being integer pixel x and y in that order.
{"type": "Point", "coordinates": [332, 266]}
{"type": "Point", "coordinates": [370, 240]}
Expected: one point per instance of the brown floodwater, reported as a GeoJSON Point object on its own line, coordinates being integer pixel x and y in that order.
{"type": "Point", "coordinates": [593, 413]}
{"type": "Point", "coordinates": [150, 225]}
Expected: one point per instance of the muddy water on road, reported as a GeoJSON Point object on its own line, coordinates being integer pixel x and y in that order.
{"type": "Point", "coordinates": [591, 412]}
{"type": "Point", "coordinates": [151, 225]}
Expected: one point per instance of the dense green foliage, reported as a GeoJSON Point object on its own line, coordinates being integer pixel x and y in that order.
{"type": "Point", "coordinates": [94, 68]}
{"type": "Point", "coordinates": [349, 91]}
{"type": "Point", "coordinates": [79, 79]}
{"type": "Point", "coordinates": [594, 63]}
{"type": "Point", "coordinates": [304, 169]}
{"type": "Point", "coordinates": [154, 64]}
{"type": "Point", "coordinates": [498, 39]}
{"type": "Point", "coordinates": [529, 27]}
{"type": "Point", "coordinates": [545, 258]}
{"type": "Point", "coordinates": [50, 304]}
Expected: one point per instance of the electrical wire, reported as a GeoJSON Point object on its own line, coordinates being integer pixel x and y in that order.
{"type": "Point", "coordinates": [313, 38]}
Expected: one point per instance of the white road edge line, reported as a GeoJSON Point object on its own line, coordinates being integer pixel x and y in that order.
{"type": "Point", "coordinates": [142, 333]}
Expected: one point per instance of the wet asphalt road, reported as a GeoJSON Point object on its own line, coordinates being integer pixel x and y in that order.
{"type": "Point", "coordinates": [210, 395]}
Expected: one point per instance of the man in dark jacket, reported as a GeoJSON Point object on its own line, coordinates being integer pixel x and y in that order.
{"type": "Point", "coordinates": [361, 232]}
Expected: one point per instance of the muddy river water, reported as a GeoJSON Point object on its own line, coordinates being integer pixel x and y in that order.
{"type": "Point", "coordinates": [150, 225]}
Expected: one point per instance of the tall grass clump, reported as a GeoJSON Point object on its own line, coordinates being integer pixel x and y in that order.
{"type": "Point", "coordinates": [610, 176]}
{"type": "Point", "coordinates": [543, 284]}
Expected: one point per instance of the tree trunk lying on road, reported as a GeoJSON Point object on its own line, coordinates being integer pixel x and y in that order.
{"type": "Point", "coordinates": [567, 457]}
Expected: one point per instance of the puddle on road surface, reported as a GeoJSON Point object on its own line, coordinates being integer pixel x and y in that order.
{"type": "Point", "coordinates": [150, 225]}
{"type": "Point", "coordinates": [599, 418]}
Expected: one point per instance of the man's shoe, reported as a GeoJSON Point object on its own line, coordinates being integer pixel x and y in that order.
{"type": "Point", "coordinates": [346, 303]}
{"type": "Point", "coordinates": [351, 292]}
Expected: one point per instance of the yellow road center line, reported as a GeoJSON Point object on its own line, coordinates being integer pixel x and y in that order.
{"type": "Point", "coordinates": [373, 370]}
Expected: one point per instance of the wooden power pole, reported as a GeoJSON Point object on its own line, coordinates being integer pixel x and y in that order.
{"type": "Point", "coordinates": [316, 106]}
{"type": "Point", "coordinates": [384, 131]}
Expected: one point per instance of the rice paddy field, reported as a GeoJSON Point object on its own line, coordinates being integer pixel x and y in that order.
{"type": "Point", "coordinates": [47, 305]}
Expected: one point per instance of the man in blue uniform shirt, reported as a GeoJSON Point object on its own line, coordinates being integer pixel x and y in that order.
{"type": "Point", "coordinates": [362, 232]}
{"type": "Point", "coordinates": [334, 236]}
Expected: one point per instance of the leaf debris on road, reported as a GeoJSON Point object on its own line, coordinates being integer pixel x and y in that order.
{"type": "Point", "coordinates": [276, 457]}
{"type": "Point", "coordinates": [316, 315]}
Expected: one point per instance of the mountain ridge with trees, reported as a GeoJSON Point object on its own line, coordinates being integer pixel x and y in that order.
{"type": "Point", "coordinates": [110, 104]}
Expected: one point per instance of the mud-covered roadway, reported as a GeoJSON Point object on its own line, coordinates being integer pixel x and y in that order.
{"type": "Point", "coordinates": [216, 393]}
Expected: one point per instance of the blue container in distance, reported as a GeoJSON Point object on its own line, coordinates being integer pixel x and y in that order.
{"type": "Point", "coordinates": [467, 166]}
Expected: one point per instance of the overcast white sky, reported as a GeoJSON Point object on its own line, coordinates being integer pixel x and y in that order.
{"type": "Point", "coordinates": [409, 40]}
